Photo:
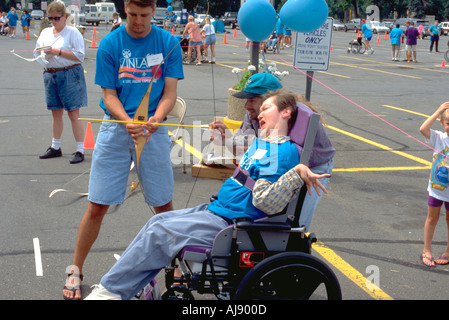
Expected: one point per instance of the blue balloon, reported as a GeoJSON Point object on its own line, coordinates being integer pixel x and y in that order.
{"type": "Point", "coordinates": [257, 19]}
{"type": "Point", "coordinates": [169, 8]}
{"type": "Point", "coordinates": [304, 15]}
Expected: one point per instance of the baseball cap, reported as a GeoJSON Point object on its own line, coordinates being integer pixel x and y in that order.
{"type": "Point", "coordinates": [258, 84]}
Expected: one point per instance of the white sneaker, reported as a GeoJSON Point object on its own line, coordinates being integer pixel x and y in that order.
{"type": "Point", "coordinates": [101, 293]}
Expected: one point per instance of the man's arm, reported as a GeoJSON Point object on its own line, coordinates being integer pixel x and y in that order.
{"type": "Point", "coordinates": [165, 105]}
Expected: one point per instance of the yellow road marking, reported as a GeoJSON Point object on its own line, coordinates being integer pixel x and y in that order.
{"type": "Point", "coordinates": [381, 146]}
{"type": "Point", "coordinates": [405, 110]}
{"type": "Point", "coordinates": [350, 272]}
{"type": "Point", "coordinates": [374, 70]}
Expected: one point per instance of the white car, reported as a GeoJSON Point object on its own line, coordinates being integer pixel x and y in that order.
{"type": "Point", "coordinates": [378, 27]}
{"type": "Point", "coordinates": [37, 14]}
{"type": "Point", "coordinates": [199, 19]}
{"type": "Point", "coordinates": [338, 25]}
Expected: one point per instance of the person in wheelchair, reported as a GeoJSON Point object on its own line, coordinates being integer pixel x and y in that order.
{"type": "Point", "coordinates": [272, 163]}
{"type": "Point", "coordinates": [323, 152]}
{"type": "Point", "coordinates": [272, 41]}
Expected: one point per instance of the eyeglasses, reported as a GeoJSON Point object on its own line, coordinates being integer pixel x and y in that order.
{"type": "Point", "coordinates": [54, 18]}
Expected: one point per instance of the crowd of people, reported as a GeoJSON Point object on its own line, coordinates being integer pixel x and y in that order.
{"type": "Point", "coordinates": [9, 21]}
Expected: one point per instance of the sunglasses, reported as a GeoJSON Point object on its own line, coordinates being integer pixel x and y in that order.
{"type": "Point", "coordinates": [54, 18]}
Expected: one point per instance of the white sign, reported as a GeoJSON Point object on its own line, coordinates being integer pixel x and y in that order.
{"type": "Point", "coordinates": [312, 49]}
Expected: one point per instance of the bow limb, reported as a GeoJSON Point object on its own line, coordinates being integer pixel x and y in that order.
{"type": "Point", "coordinates": [141, 115]}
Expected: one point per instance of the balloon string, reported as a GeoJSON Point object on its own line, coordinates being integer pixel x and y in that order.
{"type": "Point", "coordinates": [366, 110]}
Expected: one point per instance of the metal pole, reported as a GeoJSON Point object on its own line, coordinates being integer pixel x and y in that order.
{"type": "Point", "coordinates": [254, 53]}
{"type": "Point", "coordinates": [309, 84]}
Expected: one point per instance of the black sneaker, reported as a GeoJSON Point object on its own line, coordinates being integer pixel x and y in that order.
{"type": "Point", "coordinates": [51, 153]}
{"type": "Point", "coordinates": [77, 157]}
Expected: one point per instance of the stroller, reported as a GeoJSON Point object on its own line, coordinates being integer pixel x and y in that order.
{"type": "Point", "coordinates": [184, 43]}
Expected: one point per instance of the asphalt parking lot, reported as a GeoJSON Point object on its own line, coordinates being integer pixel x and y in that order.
{"type": "Point", "coordinates": [369, 225]}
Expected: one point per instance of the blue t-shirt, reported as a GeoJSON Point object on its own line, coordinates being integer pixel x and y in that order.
{"type": "Point", "coordinates": [435, 30]}
{"type": "Point", "coordinates": [127, 64]}
{"type": "Point", "coordinates": [366, 29]}
{"type": "Point", "coordinates": [280, 27]}
{"type": "Point", "coordinates": [262, 160]}
{"type": "Point", "coordinates": [395, 36]}
{"type": "Point", "coordinates": [13, 17]}
{"type": "Point", "coordinates": [25, 19]}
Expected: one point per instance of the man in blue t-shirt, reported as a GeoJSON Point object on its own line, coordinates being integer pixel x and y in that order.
{"type": "Point", "coordinates": [127, 61]}
{"type": "Point", "coordinates": [366, 30]}
{"type": "Point", "coordinates": [435, 31]}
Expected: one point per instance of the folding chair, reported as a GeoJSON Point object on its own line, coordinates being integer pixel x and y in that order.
{"type": "Point", "coordinates": [179, 111]}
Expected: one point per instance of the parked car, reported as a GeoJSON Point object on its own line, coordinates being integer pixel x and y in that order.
{"type": "Point", "coordinates": [389, 23]}
{"type": "Point", "coordinates": [378, 27]}
{"type": "Point", "coordinates": [353, 24]}
{"type": "Point", "coordinates": [401, 22]}
{"type": "Point", "coordinates": [199, 19]}
{"type": "Point", "coordinates": [229, 19]}
{"type": "Point", "coordinates": [37, 14]}
{"type": "Point", "coordinates": [444, 28]}
{"type": "Point", "coordinates": [338, 25]}
{"type": "Point", "coordinates": [92, 14]}
{"type": "Point", "coordinates": [158, 18]}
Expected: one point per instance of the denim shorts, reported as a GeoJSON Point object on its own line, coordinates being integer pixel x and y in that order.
{"type": "Point", "coordinates": [194, 43]}
{"type": "Point", "coordinates": [65, 89]}
{"type": "Point", "coordinates": [210, 39]}
{"type": "Point", "coordinates": [111, 160]}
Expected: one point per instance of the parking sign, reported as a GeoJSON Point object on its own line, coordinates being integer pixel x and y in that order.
{"type": "Point", "coordinates": [312, 49]}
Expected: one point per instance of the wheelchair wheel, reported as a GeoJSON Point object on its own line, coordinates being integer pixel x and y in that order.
{"type": "Point", "coordinates": [276, 48]}
{"type": "Point", "coordinates": [355, 48]}
{"type": "Point", "coordinates": [289, 276]}
{"type": "Point", "coordinates": [446, 56]}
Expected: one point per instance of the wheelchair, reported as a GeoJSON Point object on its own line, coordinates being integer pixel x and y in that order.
{"type": "Point", "coordinates": [356, 46]}
{"type": "Point", "coordinates": [274, 48]}
{"type": "Point", "coordinates": [267, 259]}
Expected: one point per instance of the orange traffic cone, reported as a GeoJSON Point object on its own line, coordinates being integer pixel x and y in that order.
{"type": "Point", "coordinates": [28, 36]}
{"type": "Point", "coordinates": [224, 39]}
{"type": "Point", "coordinates": [358, 33]}
{"type": "Point", "coordinates": [235, 33]}
{"type": "Point", "coordinates": [89, 142]}
{"type": "Point", "coordinates": [443, 65]}
{"type": "Point", "coordinates": [378, 39]}
{"type": "Point", "coordinates": [95, 34]}
{"type": "Point", "coordinates": [332, 49]}
{"type": "Point", "coordinates": [93, 45]}
{"type": "Point", "coordinates": [173, 30]}
{"type": "Point", "coordinates": [385, 37]}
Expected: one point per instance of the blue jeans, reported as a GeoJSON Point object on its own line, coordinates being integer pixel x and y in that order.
{"type": "Point", "coordinates": [157, 244]}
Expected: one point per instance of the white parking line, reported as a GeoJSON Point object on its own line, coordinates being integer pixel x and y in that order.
{"type": "Point", "coordinates": [37, 257]}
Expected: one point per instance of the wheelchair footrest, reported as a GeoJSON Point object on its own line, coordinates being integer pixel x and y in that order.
{"type": "Point", "coordinates": [262, 226]}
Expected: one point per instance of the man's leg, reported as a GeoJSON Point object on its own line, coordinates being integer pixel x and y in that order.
{"type": "Point", "coordinates": [87, 234]}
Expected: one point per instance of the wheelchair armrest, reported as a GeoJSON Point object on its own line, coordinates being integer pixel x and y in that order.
{"type": "Point", "coordinates": [262, 226]}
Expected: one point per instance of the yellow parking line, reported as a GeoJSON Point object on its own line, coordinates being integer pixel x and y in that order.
{"type": "Point", "coordinates": [375, 70]}
{"type": "Point", "coordinates": [353, 275]}
{"type": "Point", "coordinates": [405, 110]}
{"type": "Point", "coordinates": [381, 146]}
